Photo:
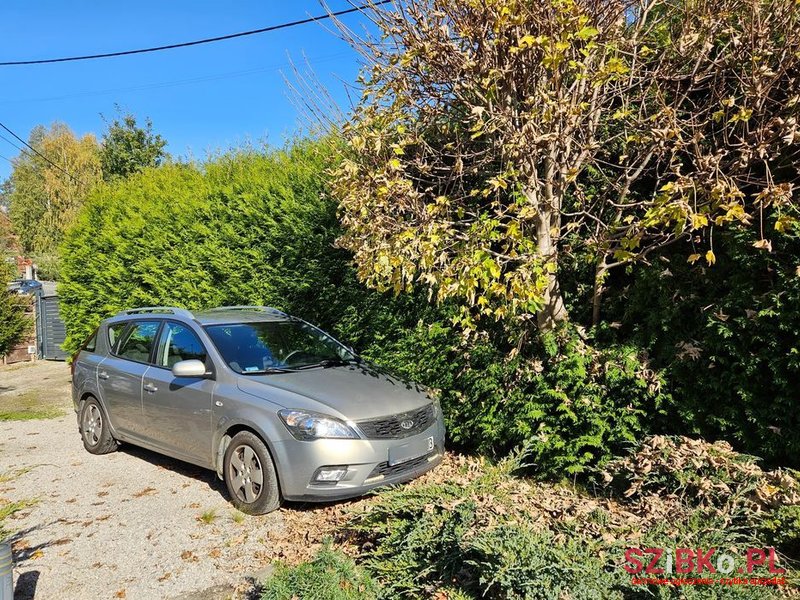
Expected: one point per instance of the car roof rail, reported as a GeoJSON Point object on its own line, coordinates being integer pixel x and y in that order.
{"type": "Point", "coordinates": [266, 309]}
{"type": "Point", "coordinates": [164, 310]}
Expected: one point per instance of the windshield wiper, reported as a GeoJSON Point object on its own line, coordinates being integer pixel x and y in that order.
{"type": "Point", "coordinates": [269, 371]}
{"type": "Point", "coordinates": [327, 363]}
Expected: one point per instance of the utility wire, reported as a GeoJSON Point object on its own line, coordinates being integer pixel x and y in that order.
{"type": "Point", "coordinates": [197, 42]}
{"type": "Point", "coordinates": [172, 83]}
{"type": "Point", "coordinates": [2, 137]}
{"type": "Point", "coordinates": [70, 175]}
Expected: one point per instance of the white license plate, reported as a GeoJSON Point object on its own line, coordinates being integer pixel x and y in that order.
{"type": "Point", "coordinates": [410, 451]}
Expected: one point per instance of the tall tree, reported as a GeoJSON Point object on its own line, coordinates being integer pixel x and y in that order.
{"type": "Point", "coordinates": [128, 148]}
{"type": "Point", "coordinates": [5, 193]}
{"type": "Point", "coordinates": [48, 187]}
{"type": "Point", "coordinates": [492, 137]}
{"type": "Point", "coordinates": [8, 241]}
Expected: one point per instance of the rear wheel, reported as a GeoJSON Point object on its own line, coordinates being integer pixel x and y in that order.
{"type": "Point", "coordinates": [95, 432]}
{"type": "Point", "coordinates": [250, 475]}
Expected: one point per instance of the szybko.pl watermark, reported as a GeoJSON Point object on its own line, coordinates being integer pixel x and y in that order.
{"type": "Point", "coordinates": [699, 566]}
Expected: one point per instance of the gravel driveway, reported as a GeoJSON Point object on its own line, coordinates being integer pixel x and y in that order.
{"type": "Point", "coordinates": [132, 524]}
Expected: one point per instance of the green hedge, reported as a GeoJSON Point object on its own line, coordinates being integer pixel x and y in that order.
{"type": "Point", "coordinates": [246, 229]}
{"type": "Point", "coordinates": [726, 339]}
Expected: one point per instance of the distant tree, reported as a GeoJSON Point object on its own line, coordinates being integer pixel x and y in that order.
{"type": "Point", "coordinates": [8, 241]}
{"type": "Point", "coordinates": [5, 192]}
{"type": "Point", "coordinates": [492, 139]}
{"type": "Point", "coordinates": [128, 148]}
{"type": "Point", "coordinates": [46, 193]}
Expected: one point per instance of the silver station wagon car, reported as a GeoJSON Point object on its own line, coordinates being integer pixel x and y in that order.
{"type": "Point", "coordinates": [277, 407]}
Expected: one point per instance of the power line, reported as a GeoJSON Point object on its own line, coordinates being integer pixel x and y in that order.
{"type": "Point", "coordinates": [172, 83]}
{"type": "Point", "coordinates": [70, 175]}
{"type": "Point", "coordinates": [2, 137]}
{"type": "Point", "coordinates": [197, 42]}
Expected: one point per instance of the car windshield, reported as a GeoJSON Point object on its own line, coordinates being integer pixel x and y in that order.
{"type": "Point", "coordinates": [276, 346]}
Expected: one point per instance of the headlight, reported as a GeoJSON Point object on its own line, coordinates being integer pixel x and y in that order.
{"type": "Point", "coordinates": [305, 425]}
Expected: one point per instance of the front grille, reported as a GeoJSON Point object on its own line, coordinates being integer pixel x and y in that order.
{"type": "Point", "coordinates": [391, 470]}
{"type": "Point", "coordinates": [397, 426]}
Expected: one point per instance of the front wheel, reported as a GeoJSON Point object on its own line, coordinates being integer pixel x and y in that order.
{"type": "Point", "coordinates": [95, 432]}
{"type": "Point", "coordinates": [250, 475]}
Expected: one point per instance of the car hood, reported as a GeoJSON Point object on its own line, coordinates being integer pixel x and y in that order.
{"type": "Point", "coordinates": [354, 392]}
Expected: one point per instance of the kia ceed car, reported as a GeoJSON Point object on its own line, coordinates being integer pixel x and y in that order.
{"type": "Point", "coordinates": [277, 407]}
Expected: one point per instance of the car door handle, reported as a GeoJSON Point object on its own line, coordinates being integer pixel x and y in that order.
{"type": "Point", "coordinates": [150, 388]}
{"type": "Point", "coordinates": [103, 375]}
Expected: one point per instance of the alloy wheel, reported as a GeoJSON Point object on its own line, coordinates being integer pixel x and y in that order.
{"type": "Point", "coordinates": [247, 477]}
{"type": "Point", "coordinates": [92, 425]}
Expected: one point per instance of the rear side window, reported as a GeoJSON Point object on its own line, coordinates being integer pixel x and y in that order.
{"type": "Point", "coordinates": [138, 341]}
{"type": "Point", "coordinates": [90, 345]}
{"type": "Point", "coordinates": [178, 343]}
{"type": "Point", "coordinates": [114, 333]}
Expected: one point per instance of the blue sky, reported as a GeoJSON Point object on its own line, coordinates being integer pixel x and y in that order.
{"type": "Point", "coordinates": [201, 99]}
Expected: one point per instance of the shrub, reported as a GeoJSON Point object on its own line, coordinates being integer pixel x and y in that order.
{"type": "Point", "coordinates": [570, 405]}
{"type": "Point", "coordinates": [330, 575]}
{"type": "Point", "coordinates": [723, 485]}
{"type": "Point", "coordinates": [476, 538]}
{"type": "Point", "coordinates": [702, 473]}
{"type": "Point", "coordinates": [782, 529]}
{"type": "Point", "coordinates": [481, 532]}
{"type": "Point", "coordinates": [14, 323]}
{"type": "Point", "coordinates": [517, 562]}
{"type": "Point", "coordinates": [726, 340]}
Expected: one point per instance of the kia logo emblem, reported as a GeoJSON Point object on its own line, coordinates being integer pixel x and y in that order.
{"type": "Point", "coordinates": [408, 424]}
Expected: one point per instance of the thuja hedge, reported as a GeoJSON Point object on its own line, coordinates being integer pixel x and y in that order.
{"type": "Point", "coordinates": [726, 339]}
{"type": "Point", "coordinates": [259, 228]}
{"type": "Point", "coordinates": [246, 228]}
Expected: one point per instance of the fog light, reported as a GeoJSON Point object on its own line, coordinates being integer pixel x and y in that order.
{"type": "Point", "coordinates": [330, 474]}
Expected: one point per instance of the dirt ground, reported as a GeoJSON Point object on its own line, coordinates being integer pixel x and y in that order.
{"type": "Point", "coordinates": [32, 389]}
{"type": "Point", "coordinates": [132, 524]}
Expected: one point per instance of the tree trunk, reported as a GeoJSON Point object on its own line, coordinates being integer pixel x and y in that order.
{"type": "Point", "coordinates": [553, 312]}
{"type": "Point", "coordinates": [597, 292]}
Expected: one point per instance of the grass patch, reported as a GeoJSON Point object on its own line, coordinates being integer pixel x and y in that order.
{"type": "Point", "coordinates": [9, 508]}
{"type": "Point", "coordinates": [238, 517]}
{"type": "Point", "coordinates": [20, 365]}
{"type": "Point", "coordinates": [208, 516]}
{"type": "Point", "coordinates": [29, 406]}
{"type": "Point", "coordinates": [12, 475]}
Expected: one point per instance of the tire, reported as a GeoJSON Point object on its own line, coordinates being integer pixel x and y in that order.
{"type": "Point", "coordinates": [95, 432]}
{"type": "Point", "coordinates": [250, 475]}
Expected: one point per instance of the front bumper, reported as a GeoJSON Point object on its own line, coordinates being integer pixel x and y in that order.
{"type": "Point", "coordinates": [367, 461]}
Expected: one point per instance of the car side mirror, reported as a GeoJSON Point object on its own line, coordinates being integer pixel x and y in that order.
{"type": "Point", "coordinates": [189, 368]}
